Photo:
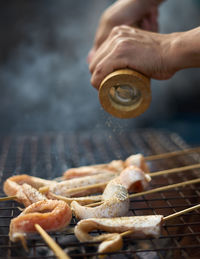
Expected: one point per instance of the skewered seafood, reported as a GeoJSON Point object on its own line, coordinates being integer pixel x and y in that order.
{"type": "Point", "coordinates": [139, 226]}
{"type": "Point", "coordinates": [134, 179]}
{"type": "Point", "coordinates": [81, 200]}
{"type": "Point", "coordinates": [27, 195]}
{"type": "Point", "coordinates": [12, 184]}
{"type": "Point", "coordinates": [49, 214]}
{"type": "Point", "coordinates": [142, 226]}
{"type": "Point", "coordinates": [115, 203]}
{"type": "Point", "coordinates": [65, 188]}
{"type": "Point", "coordinates": [116, 166]}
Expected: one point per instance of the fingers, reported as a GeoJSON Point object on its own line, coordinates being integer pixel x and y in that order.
{"type": "Point", "coordinates": [106, 66]}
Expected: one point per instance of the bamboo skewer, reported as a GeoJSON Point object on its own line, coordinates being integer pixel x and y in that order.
{"type": "Point", "coordinates": [173, 153]}
{"type": "Point", "coordinates": [8, 198]}
{"type": "Point", "coordinates": [159, 189]}
{"type": "Point", "coordinates": [179, 213]}
{"type": "Point", "coordinates": [51, 243]}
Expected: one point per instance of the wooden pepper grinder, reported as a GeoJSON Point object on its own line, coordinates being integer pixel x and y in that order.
{"type": "Point", "coordinates": [125, 93]}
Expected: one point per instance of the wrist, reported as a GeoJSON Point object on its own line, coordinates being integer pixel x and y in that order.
{"type": "Point", "coordinates": [184, 49]}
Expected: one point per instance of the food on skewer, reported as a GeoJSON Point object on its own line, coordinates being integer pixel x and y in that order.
{"type": "Point", "coordinates": [116, 166]}
{"type": "Point", "coordinates": [49, 214]}
{"type": "Point", "coordinates": [139, 226]}
{"type": "Point", "coordinates": [142, 226]}
{"type": "Point", "coordinates": [28, 195]}
{"type": "Point", "coordinates": [131, 179]}
{"type": "Point", "coordinates": [12, 184]}
{"type": "Point", "coordinates": [63, 188]}
{"type": "Point", "coordinates": [115, 203]}
{"type": "Point", "coordinates": [81, 200]}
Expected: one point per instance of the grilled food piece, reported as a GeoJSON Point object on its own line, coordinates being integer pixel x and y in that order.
{"type": "Point", "coordinates": [65, 188]}
{"type": "Point", "coordinates": [28, 195]}
{"type": "Point", "coordinates": [142, 226]}
{"type": "Point", "coordinates": [115, 203]}
{"type": "Point", "coordinates": [116, 166]}
{"type": "Point", "coordinates": [134, 179]}
{"type": "Point", "coordinates": [51, 215]}
{"type": "Point", "coordinates": [13, 184]}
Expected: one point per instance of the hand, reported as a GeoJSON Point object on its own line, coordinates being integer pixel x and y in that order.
{"type": "Point", "coordinates": [146, 52]}
{"type": "Point", "coordinates": [140, 13]}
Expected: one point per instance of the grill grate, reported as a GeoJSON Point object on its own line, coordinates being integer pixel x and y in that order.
{"type": "Point", "coordinates": [48, 156]}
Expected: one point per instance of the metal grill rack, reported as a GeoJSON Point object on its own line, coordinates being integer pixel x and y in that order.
{"type": "Point", "coordinates": [48, 156]}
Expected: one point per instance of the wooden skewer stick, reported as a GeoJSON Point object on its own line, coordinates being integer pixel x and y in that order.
{"type": "Point", "coordinates": [159, 189]}
{"type": "Point", "coordinates": [8, 198]}
{"type": "Point", "coordinates": [51, 243]}
{"type": "Point", "coordinates": [173, 153]}
{"type": "Point", "coordinates": [174, 215]}
{"type": "Point", "coordinates": [175, 170]}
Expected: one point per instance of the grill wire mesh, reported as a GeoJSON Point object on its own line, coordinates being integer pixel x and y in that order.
{"type": "Point", "coordinates": [48, 156]}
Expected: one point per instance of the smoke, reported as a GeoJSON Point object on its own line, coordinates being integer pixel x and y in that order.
{"type": "Point", "coordinates": [45, 82]}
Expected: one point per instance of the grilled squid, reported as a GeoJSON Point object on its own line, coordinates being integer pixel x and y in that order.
{"type": "Point", "coordinates": [116, 166]}
{"type": "Point", "coordinates": [27, 195]}
{"type": "Point", "coordinates": [13, 184]}
{"type": "Point", "coordinates": [65, 188]}
{"type": "Point", "coordinates": [140, 227]}
{"type": "Point", "coordinates": [133, 179]}
{"type": "Point", "coordinates": [115, 203]}
{"type": "Point", "coordinates": [49, 214]}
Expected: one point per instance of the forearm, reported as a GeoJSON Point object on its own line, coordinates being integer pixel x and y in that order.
{"type": "Point", "coordinates": [185, 49]}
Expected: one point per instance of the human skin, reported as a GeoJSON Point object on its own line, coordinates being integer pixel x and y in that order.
{"type": "Point", "coordinates": [140, 13]}
{"type": "Point", "coordinates": [155, 55]}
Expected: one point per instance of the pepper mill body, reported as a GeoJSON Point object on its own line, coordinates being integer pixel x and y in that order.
{"type": "Point", "coordinates": [125, 93]}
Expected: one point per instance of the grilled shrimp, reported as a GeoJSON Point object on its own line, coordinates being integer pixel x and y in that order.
{"type": "Point", "coordinates": [63, 188]}
{"type": "Point", "coordinates": [49, 214]}
{"type": "Point", "coordinates": [116, 203]}
{"type": "Point", "coordinates": [113, 167]}
{"type": "Point", "coordinates": [12, 184]}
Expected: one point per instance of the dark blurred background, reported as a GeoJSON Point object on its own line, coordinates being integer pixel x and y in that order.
{"type": "Point", "coordinates": [44, 78]}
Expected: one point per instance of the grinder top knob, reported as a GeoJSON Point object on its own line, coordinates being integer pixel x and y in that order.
{"type": "Point", "coordinates": [125, 93]}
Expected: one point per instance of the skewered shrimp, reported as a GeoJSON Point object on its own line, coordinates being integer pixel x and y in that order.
{"type": "Point", "coordinates": [12, 184]}
{"type": "Point", "coordinates": [49, 214]}
{"type": "Point", "coordinates": [116, 203]}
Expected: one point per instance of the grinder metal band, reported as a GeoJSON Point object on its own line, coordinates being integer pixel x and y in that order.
{"type": "Point", "coordinates": [125, 93]}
